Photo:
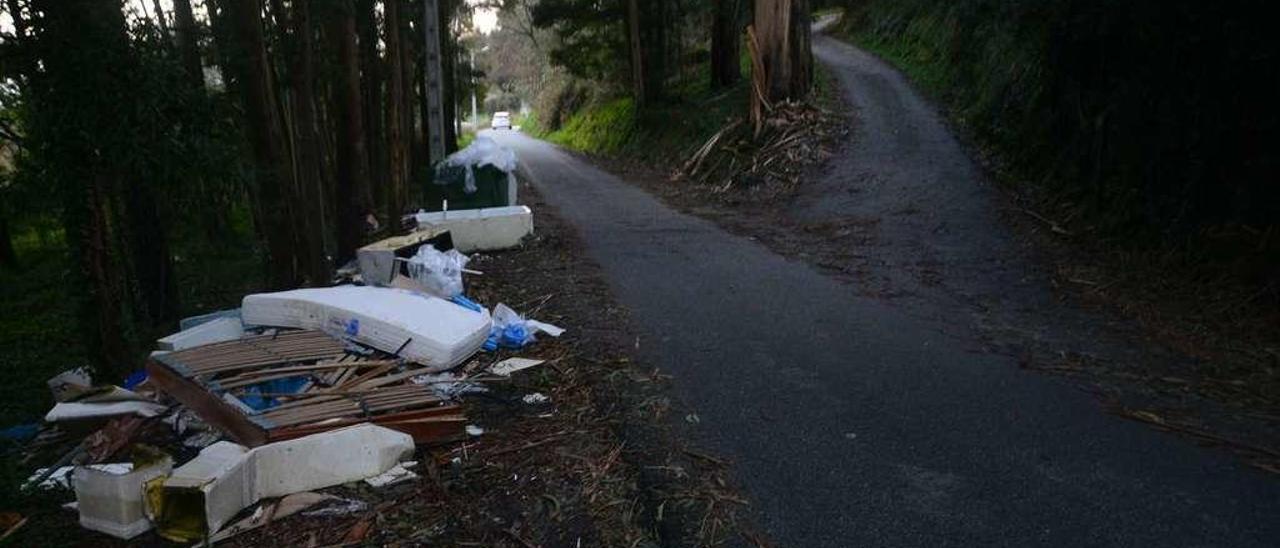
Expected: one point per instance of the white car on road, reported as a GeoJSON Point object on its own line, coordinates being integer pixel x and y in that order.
{"type": "Point", "coordinates": [501, 120]}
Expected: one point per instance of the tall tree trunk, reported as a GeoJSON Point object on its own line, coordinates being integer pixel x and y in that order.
{"type": "Point", "coordinates": [637, 52]}
{"type": "Point", "coordinates": [66, 123]}
{"type": "Point", "coordinates": [164, 25]}
{"type": "Point", "coordinates": [353, 179]}
{"type": "Point", "coordinates": [184, 23]}
{"type": "Point", "coordinates": [310, 181]}
{"type": "Point", "coordinates": [782, 30]}
{"type": "Point", "coordinates": [412, 46]}
{"type": "Point", "coordinates": [725, 38]}
{"type": "Point", "coordinates": [449, 52]}
{"type": "Point", "coordinates": [226, 52]}
{"type": "Point", "coordinates": [371, 69]}
{"type": "Point", "coordinates": [266, 137]}
{"type": "Point", "coordinates": [156, 289]}
{"type": "Point", "coordinates": [395, 199]}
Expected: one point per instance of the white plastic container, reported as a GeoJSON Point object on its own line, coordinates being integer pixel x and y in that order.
{"type": "Point", "coordinates": [110, 498]}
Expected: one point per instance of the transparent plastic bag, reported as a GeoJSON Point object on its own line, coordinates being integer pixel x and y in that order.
{"type": "Point", "coordinates": [439, 272]}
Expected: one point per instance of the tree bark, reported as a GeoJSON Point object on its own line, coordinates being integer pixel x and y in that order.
{"type": "Point", "coordinates": [449, 59]}
{"type": "Point", "coordinates": [184, 23]}
{"type": "Point", "coordinates": [310, 181]}
{"type": "Point", "coordinates": [353, 179]}
{"type": "Point", "coordinates": [267, 139]}
{"type": "Point", "coordinates": [726, 34]}
{"type": "Point", "coordinates": [371, 69]}
{"type": "Point", "coordinates": [782, 29]}
{"type": "Point", "coordinates": [637, 52]}
{"type": "Point", "coordinates": [395, 199]}
{"type": "Point", "coordinates": [156, 287]}
{"type": "Point", "coordinates": [411, 46]}
{"type": "Point", "coordinates": [84, 167]}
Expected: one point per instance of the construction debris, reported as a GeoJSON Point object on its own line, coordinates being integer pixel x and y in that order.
{"type": "Point", "coordinates": [399, 473]}
{"type": "Point", "coordinates": [341, 388]}
{"type": "Point", "coordinates": [511, 365]}
{"type": "Point", "coordinates": [102, 403]}
{"type": "Point", "coordinates": [110, 499]}
{"type": "Point", "coordinates": [379, 260]}
{"type": "Point", "coordinates": [202, 495]}
{"type": "Point", "coordinates": [270, 512]}
{"type": "Point", "coordinates": [70, 383]}
{"type": "Point", "coordinates": [214, 331]}
{"type": "Point", "coordinates": [255, 408]}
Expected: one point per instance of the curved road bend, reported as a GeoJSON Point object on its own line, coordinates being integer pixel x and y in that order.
{"type": "Point", "coordinates": [852, 423]}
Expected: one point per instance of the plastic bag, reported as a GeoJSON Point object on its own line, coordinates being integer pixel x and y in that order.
{"type": "Point", "coordinates": [511, 330]}
{"type": "Point", "coordinates": [440, 273]}
{"type": "Point", "coordinates": [481, 152]}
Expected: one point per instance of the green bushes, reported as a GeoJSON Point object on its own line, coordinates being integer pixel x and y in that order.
{"type": "Point", "coordinates": [599, 129]}
{"type": "Point", "coordinates": [1150, 116]}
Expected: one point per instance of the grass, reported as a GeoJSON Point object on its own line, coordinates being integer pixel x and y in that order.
{"type": "Point", "coordinates": [687, 117]}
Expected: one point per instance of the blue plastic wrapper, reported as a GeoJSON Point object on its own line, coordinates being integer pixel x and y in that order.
{"type": "Point", "coordinates": [253, 396]}
{"type": "Point", "coordinates": [134, 379]}
{"type": "Point", "coordinates": [512, 335]}
{"type": "Point", "coordinates": [464, 302]}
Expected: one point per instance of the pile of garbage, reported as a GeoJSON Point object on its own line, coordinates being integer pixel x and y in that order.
{"type": "Point", "coordinates": [240, 417]}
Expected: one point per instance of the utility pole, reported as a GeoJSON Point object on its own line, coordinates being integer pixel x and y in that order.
{"type": "Point", "coordinates": [434, 81]}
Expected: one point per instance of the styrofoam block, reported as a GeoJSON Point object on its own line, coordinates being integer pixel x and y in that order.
{"type": "Point", "coordinates": [482, 229]}
{"type": "Point", "coordinates": [110, 500]}
{"type": "Point", "coordinates": [227, 477]}
{"type": "Point", "coordinates": [420, 328]}
{"type": "Point", "coordinates": [218, 330]}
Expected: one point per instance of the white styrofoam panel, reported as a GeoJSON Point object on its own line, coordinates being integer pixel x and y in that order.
{"type": "Point", "coordinates": [219, 330]}
{"type": "Point", "coordinates": [483, 229]}
{"type": "Point", "coordinates": [229, 477]}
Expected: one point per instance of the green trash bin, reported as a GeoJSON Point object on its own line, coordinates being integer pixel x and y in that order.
{"type": "Point", "coordinates": [450, 183]}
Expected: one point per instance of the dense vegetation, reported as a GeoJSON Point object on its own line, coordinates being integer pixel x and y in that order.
{"type": "Point", "coordinates": [150, 158]}
{"type": "Point", "coordinates": [1147, 120]}
{"type": "Point", "coordinates": [631, 78]}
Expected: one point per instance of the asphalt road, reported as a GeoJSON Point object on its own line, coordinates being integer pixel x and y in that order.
{"type": "Point", "coordinates": [852, 421]}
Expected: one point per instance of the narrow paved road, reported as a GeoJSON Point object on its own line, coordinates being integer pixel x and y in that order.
{"type": "Point", "coordinates": [854, 423]}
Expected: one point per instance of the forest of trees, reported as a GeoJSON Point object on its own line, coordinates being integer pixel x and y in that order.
{"type": "Point", "coordinates": [1148, 117]}
{"type": "Point", "coordinates": [127, 129]}
{"type": "Point", "coordinates": [648, 50]}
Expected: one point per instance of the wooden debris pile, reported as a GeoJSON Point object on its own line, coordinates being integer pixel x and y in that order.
{"type": "Point", "coordinates": [339, 385]}
{"type": "Point", "coordinates": [792, 137]}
